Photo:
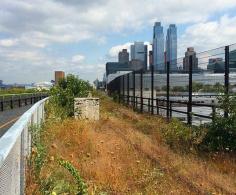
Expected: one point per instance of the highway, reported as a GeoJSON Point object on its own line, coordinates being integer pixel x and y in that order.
{"type": "Point", "coordinates": [9, 117]}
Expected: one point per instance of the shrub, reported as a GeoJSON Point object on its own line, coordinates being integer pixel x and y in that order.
{"type": "Point", "coordinates": [37, 158]}
{"type": "Point", "coordinates": [221, 134]}
{"type": "Point", "coordinates": [82, 187]}
{"type": "Point", "coordinates": [177, 134]}
{"type": "Point", "coordinates": [63, 94]}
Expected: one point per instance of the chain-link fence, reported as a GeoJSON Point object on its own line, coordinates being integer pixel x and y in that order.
{"type": "Point", "coordinates": [15, 147]}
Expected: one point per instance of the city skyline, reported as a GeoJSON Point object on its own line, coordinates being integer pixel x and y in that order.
{"type": "Point", "coordinates": [39, 37]}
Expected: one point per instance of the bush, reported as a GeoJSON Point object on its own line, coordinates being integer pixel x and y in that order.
{"type": "Point", "coordinates": [221, 134]}
{"type": "Point", "coordinates": [63, 94]}
{"type": "Point", "coordinates": [81, 186]}
{"type": "Point", "coordinates": [178, 135]}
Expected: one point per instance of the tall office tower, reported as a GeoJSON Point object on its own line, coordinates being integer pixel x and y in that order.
{"type": "Point", "coordinates": [58, 76]}
{"type": "Point", "coordinates": [139, 52]}
{"type": "Point", "coordinates": [123, 56]}
{"type": "Point", "coordinates": [171, 46]}
{"type": "Point", "coordinates": [158, 47]}
{"type": "Point", "coordinates": [150, 58]}
{"type": "Point", "coordinates": [190, 52]}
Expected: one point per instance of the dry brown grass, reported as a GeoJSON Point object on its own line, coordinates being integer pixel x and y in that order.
{"type": "Point", "coordinates": [124, 153]}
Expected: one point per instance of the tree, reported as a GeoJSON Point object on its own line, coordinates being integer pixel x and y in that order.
{"type": "Point", "coordinates": [63, 94]}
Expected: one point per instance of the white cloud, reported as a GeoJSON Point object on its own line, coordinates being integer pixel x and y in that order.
{"type": "Point", "coordinates": [208, 35]}
{"type": "Point", "coordinates": [51, 21]}
{"type": "Point", "coordinates": [8, 42]}
{"type": "Point", "coordinates": [34, 27]}
{"type": "Point", "coordinates": [113, 52]}
{"type": "Point", "coordinates": [78, 58]}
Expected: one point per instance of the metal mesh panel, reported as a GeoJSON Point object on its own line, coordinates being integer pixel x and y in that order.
{"type": "Point", "coordinates": [232, 69]}
{"type": "Point", "coordinates": [10, 171]}
{"type": "Point", "coordinates": [179, 82]}
{"type": "Point", "coordinates": [208, 83]}
{"type": "Point", "coordinates": [13, 155]}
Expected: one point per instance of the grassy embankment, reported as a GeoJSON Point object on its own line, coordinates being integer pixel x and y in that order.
{"type": "Point", "coordinates": [126, 153]}
{"type": "Point", "coordinates": [17, 91]}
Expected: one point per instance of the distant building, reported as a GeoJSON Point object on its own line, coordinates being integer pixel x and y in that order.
{"type": "Point", "coordinates": [136, 64]}
{"type": "Point", "coordinates": [216, 65]}
{"type": "Point", "coordinates": [150, 58]}
{"type": "Point", "coordinates": [99, 84]}
{"type": "Point", "coordinates": [171, 46]}
{"type": "Point", "coordinates": [59, 75]}
{"type": "Point", "coordinates": [190, 52]}
{"type": "Point", "coordinates": [158, 47]}
{"type": "Point", "coordinates": [113, 67]}
{"type": "Point", "coordinates": [123, 56]}
{"type": "Point", "coordinates": [232, 61]}
{"type": "Point", "coordinates": [139, 52]}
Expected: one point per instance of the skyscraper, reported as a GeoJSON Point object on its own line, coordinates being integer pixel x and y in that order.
{"type": "Point", "coordinates": [158, 47]}
{"type": "Point", "coordinates": [171, 46]}
{"type": "Point", "coordinates": [190, 52]}
{"type": "Point", "coordinates": [139, 52]}
{"type": "Point", "coordinates": [123, 56]}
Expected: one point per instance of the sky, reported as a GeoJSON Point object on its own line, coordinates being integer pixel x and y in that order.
{"type": "Point", "coordinates": [38, 37]}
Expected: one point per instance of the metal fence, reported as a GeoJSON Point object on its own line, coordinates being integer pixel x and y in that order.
{"type": "Point", "coordinates": [187, 88]}
{"type": "Point", "coordinates": [11, 101]}
{"type": "Point", "coordinates": [15, 146]}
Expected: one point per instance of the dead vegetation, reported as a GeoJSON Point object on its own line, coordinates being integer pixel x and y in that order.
{"type": "Point", "coordinates": [126, 153]}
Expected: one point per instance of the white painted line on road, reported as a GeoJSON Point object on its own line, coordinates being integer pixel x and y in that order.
{"type": "Point", "coordinates": [9, 122]}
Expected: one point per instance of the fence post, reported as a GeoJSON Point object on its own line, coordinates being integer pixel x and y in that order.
{"type": "Point", "coordinates": [123, 89]}
{"type": "Point", "coordinates": [141, 90]}
{"type": "Point", "coordinates": [152, 87]}
{"type": "Point", "coordinates": [190, 90]}
{"type": "Point", "coordinates": [133, 89]}
{"type": "Point", "coordinates": [128, 89]}
{"type": "Point", "coordinates": [167, 89]}
{"type": "Point", "coordinates": [119, 90]}
{"type": "Point", "coordinates": [170, 114]}
{"type": "Point", "coordinates": [157, 105]}
{"type": "Point", "coordinates": [148, 105]}
{"type": "Point", "coordinates": [19, 101]}
{"type": "Point", "coordinates": [2, 106]}
{"type": "Point", "coordinates": [226, 114]}
{"type": "Point", "coordinates": [11, 102]}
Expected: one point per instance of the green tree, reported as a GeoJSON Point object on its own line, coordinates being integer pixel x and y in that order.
{"type": "Point", "coordinates": [63, 94]}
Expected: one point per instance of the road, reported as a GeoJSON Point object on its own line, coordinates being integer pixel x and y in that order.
{"type": "Point", "coordinates": [9, 117]}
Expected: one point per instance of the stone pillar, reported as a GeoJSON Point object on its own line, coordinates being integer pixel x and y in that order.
{"type": "Point", "coordinates": [86, 108]}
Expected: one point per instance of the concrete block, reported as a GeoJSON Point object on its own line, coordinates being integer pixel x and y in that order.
{"type": "Point", "coordinates": [86, 108]}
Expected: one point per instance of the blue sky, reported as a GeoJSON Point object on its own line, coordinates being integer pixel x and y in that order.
{"type": "Point", "coordinates": [76, 36]}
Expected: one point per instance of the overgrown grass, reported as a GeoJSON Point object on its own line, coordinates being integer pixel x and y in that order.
{"type": "Point", "coordinates": [128, 153]}
{"type": "Point", "coordinates": [18, 91]}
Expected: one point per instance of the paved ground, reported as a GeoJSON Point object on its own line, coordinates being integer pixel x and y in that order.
{"type": "Point", "coordinates": [9, 117]}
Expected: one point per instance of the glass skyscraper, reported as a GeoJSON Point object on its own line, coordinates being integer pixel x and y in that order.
{"type": "Point", "coordinates": [139, 52]}
{"type": "Point", "coordinates": [158, 47]}
{"type": "Point", "coordinates": [171, 46]}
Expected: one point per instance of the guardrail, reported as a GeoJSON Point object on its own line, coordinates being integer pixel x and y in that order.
{"type": "Point", "coordinates": [154, 106]}
{"type": "Point", "coordinates": [10, 101]}
{"type": "Point", "coordinates": [15, 146]}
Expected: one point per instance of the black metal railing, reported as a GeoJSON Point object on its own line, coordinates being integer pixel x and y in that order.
{"type": "Point", "coordinates": [11, 101]}
{"type": "Point", "coordinates": [195, 84]}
